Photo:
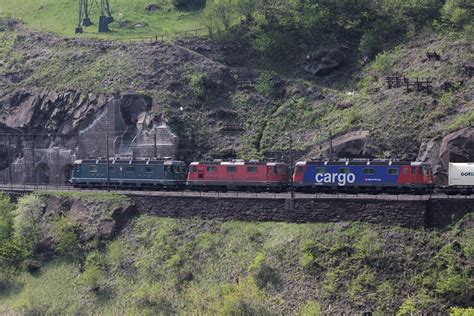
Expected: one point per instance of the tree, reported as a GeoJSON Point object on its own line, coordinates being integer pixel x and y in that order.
{"type": "Point", "coordinates": [218, 16]}
{"type": "Point", "coordinates": [458, 13]}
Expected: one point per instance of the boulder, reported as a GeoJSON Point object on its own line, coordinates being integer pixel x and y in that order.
{"type": "Point", "coordinates": [78, 212]}
{"type": "Point", "coordinates": [123, 215]}
{"type": "Point", "coordinates": [152, 7]}
{"type": "Point", "coordinates": [351, 145]}
{"type": "Point", "coordinates": [106, 229]}
{"type": "Point", "coordinates": [131, 106]}
{"type": "Point", "coordinates": [56, 206]}
{"type": "Point", "coordinates": [325, 61]}
{"type": "Point", "coordinates": [454, 147]}
{"type": "Point", "coordinates": [124, 24]}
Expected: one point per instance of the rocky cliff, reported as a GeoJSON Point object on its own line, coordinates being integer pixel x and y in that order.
{"type": "Point", "coordinates": [219, 100]}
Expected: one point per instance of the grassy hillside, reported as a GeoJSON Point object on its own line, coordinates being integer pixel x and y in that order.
{"type": "Point", "coordinates": [168, 266]}
{"type": "Point", "coordinates": [60, 16]}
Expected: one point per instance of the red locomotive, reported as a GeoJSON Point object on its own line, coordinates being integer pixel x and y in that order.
{"type": "Point", "coordinates": [251, 175]}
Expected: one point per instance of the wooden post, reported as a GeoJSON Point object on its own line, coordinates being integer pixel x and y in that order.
{"type": "Point", "coordinates": [9, 163]}
{"type": "Point", "coordinates": [156, 149]}
{"type": "Point", "coordinates": [108, 169]}
{"type": "Point", "coordinates": [330, 146]}
{"type": "Point", "coordinates": [291, 169]}
{"type": "Point", "coordinates": [33, 162]}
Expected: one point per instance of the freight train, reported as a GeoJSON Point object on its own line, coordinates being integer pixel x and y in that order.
{"type": "Point", "coordinates": [311, 176]}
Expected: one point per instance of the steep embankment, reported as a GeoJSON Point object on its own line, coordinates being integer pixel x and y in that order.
{"type": "Point", "coordinates": [219, 105]}
{"type": "Point", "coordinates": [89, 254]}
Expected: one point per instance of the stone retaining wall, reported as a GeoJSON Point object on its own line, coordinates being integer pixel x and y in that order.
{"type": "Point", "coordinates": [403, 213]}
{"type": "Point", "coordinates": [414, 214]}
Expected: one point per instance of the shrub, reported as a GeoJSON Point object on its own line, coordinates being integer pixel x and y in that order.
{"type": "Point", "coordinates": [364, 281]}
{"type": "Point", "coordinates": [243, 298]}
{"type": "Point", "coordinates": [66, 235]}
{"type": "Point", "coordinates": [310, 253]}
{"type": "Point", "coordinates": [218, 16]}
{"type": "Point", "coordinates": [246, 8]}
{"type": "Point", "coordinates": [262, 272]}
{"type": "Point", "coordinates": [150, 298]}
{"type": "Point", "coordinates": [460, 311]}
{"type": "Point", "coordinates": [49, 293]}
{"type": "Point", "coordinates": [12, 254]}
{"type": "Point", "coordinates": [369, 245]}
{"type": "Point", "coordinates": [452, 282]}
{"type": "Point", "coordinates": [196, 83]}
{"type": "Point", "coordinates": [7, 209]}
{"type": "Point", "coordinates": [310, 308]}
{"type": "Point", "coordinates": [264, 83]}
{"type": "Point", "coordinates": [27, 222]}
{"type": "Point", "coordinates": [408, 307]}
{"type": "Point", "coordinates": [383, 63]}
{"type": "Point", "coordinates": [458, 13]}
{"type": "Point", "coordinates": [92, 276]}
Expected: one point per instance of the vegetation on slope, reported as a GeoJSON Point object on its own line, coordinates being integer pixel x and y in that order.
{"type": "Point", "coordinates": [251, 73]}
{"type": "Point", "coordinates": [61, 17]}
{"type": "Point", "coordinates": [168, 266]}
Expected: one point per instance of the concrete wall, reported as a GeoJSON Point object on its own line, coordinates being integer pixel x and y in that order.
{"type": "Point", "coordinates": [50, 165]}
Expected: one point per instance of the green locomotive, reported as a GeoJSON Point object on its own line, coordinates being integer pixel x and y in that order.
{"type": "Point", "coordinates": [129, 173]}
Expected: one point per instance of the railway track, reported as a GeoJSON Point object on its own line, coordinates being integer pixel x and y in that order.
{"type": "Point", "coordinates": [7, 188]}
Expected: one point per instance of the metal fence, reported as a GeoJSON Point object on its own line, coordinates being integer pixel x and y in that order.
{"type": "Point", "coordinates": [159, 38]}
{"type": "Point", "coordinates": [5, 187]}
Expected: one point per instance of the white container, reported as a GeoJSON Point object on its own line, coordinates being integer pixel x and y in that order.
{"type": "Point", "coordinates": [461, 174]}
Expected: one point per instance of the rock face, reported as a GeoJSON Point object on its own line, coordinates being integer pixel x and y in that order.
{"type": "Point", "coordinates": [98, 218]}
{"type": "Point", "coordinates": [454, 147]}
{"type": "Point", "coordinates": [351, 145]}
{"type": "Point", "coordinates": [325, 61]}
{"type": "Point", "coordinates": [72, 125]}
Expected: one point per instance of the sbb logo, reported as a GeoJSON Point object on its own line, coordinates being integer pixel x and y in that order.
{"type": "Point", "coordinates": [467, 174]}
{"type": "Point", "coordinates": [340, 178]}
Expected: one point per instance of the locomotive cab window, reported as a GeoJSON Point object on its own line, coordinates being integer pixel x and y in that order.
{"type": "Point", "coordinates": [321, 170]}
{"type": "Point", "coordinates": [251, 169]}
{"type": "Point", "coordinates": [393, 171]}
{"type": "Point", "coordinates": [231, 168]}
{"type": "Point", "coordinates": [280, 170]}
{"type": "Point", "coordinates": [369, 171]}
{"type": "Point", "coordinates": [405, 170]}
{"type": "Point", "coordinates": [149, 169]}
{"type": "Point", "coordinates": [413, 170]}
{"type": "Point", "coordinates": [344, 170]}
{"type": "Point", "coordinates": [211, 169]}
{"type": "Point", "coordinates": [299, 169]}
{"type": "Point", "coordinates": [194, 169]}
{"type": "Point", "coordinates": [426, 170]}
{"type": "Point", "coordinates": [93, 168]}
{"type": "Point", "coordinates": [130, 169]}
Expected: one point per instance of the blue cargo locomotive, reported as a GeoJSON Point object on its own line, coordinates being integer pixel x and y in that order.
{"type": "Point", "coordinates": [133, 173]}
{"type": "Point", "coordinates": [361, 175]}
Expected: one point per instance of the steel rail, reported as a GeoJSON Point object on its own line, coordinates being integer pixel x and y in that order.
{"type": "Point", "coordinates": [25, 188]}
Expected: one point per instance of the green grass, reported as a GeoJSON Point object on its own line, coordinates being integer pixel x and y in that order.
{"type": "Point", "coordinates": [60, 17]}
{"type": "Point", "coordinates": [88, 196]}
{"type": "Point", "coordinates": [188, 266]}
